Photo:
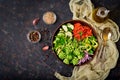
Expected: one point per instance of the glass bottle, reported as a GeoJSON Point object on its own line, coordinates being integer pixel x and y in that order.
{"type": "Point", "coordinates": [100, 14]}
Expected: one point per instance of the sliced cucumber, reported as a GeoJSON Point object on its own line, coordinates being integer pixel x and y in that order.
{"type": "Point", "coordinates": [69, 34]}
{"type": "Point", "coordinates": [65, 28]}
{"type": "Point", "coordinates": [70, 26]}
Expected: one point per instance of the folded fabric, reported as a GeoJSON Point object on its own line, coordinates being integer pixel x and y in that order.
{"type": "Point", "coordinates": [98, 68]}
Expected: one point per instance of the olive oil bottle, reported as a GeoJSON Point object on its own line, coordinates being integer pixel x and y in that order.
{"type": "Point", "coordinates": [100, 14]}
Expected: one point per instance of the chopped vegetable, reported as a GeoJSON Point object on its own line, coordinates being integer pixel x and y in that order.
{"type": "Point", "coordinates": [70, 26]}
{"type": "Point", "coordinates": [69, 34]}
{"type": "Point", "coordinates": [75, 60]}
{"type": "Point", "coordinates": [81, 32]}
{"type": "Point", "coordinates": [62, 55]}
{"type": "Point", "coordinates": [69, 57]}
{"type": "Point", "coordinates": [65, 28]}
{"type": "Point", "coordinates": [66, 61]}
{"type": "Point", "coordinates": [86, 57]}
{"type": "Point", "coordinates": [74, 43]}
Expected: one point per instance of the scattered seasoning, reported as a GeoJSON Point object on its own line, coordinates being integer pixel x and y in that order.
{"type": "Point", "coordinates": [35, 21]}
{"type": "Point", "coordinates": [46, 57]}
{"type": "Point", "coordinates": [49, 17]}
{"type": "Point", "coordinates": [46, 34]}
{"type": "Point", "coordinates": [45, 48]}
{"type": "Point", "coordinates": [34, 36]}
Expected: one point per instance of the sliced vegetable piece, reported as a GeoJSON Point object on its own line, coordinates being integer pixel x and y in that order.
{"type": "Point", "coordinates": [69, 25]}
{"type": "Point", "coordinates": [94, 44]}
{"type": "Point", "coordinates": [69, 34]}
{"type": "Point", "coordinates": [80, 56]}
{"type": "Point", "coordinates": [64, 28]}
{"type": "Point", "coordinates": [88, 47]}
{"type": "Point", "coordinates": [69, 57]}
{"type": "Point", "coordinates": [67, 50]}
{"type": "Point", "coordinates": [61, 55]}
{"type": "Point", "coordinates": [66, 61]}
{"type": "Point", "coordinates": [75, 61]}
{"type": "Point", "coordinates": [90, 52]}
{"type": "Point", "coordinates": [76, 52]}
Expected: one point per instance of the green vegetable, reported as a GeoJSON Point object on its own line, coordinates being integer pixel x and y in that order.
{"type": "Point", "coordinates": [88, 47]}
{"type": "Point", "coordinates": [67, 50]}
{"type": "Point", "coordinates": [66, 61]}
{"type": "Point", "coordinates": [81, 33]}
{"type": "Point", "coordinates": [75, 61]}
{"type": "Point", "coordinates": [93, 41]}
{"type": "Point", "coordinates": [80, 56]}
{"type": "Point", "coordinates": [76, 52]}
{"type": "Point", "coordinates": [69, 57]}
{"type": "Point", "coordinates": [62, 55]}
{"type": "Point", "coordinates": [69, 29]}
{"type": "Point", "coordinates": [90, 52]}
{"type": "Point", "coordinates": [75, 43]}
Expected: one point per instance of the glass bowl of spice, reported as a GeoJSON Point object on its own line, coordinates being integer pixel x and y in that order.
{"type": "Point", "coordinates": [49, 17]}
{"type": "Point", "coordinates": [34, 36]}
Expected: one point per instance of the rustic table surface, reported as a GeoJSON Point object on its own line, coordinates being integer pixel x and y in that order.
{"type": "Point", "coordinates": [20, 59]}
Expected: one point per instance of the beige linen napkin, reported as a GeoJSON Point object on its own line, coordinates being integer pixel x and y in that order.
{"type": "Point", "coordinates": [98, 68]}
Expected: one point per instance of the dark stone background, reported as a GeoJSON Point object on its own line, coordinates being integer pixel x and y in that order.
{"type": "Point", "coordinates": [22, 60]}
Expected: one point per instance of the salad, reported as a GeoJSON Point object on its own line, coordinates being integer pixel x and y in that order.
{"type": "Point", "coordinates": [75, 43]}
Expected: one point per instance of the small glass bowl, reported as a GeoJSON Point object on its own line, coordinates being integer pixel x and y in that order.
{"type": "Point", "coordinates": [49, 17]}
{"type": "Point", "coordinates": [34, 36]}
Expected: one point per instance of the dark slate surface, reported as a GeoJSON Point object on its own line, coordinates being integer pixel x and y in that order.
{"type": "Point", "coordinates": [20, 59]}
